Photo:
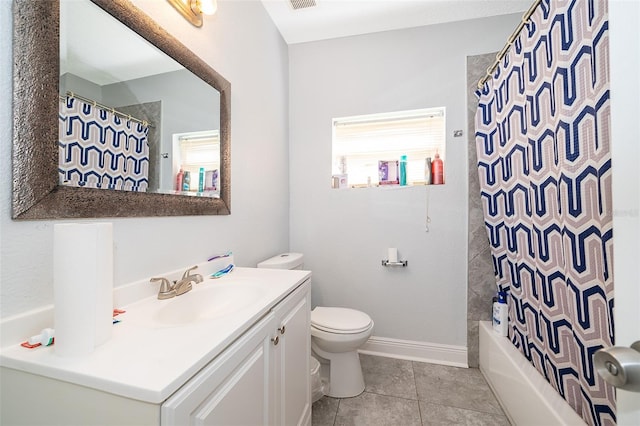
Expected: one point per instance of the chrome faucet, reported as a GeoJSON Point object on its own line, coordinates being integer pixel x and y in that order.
{"type": "Point", "coordinates": [182, 286]}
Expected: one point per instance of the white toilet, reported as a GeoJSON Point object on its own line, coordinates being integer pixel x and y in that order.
{"type": "Point", "coordinates": [336, 335]}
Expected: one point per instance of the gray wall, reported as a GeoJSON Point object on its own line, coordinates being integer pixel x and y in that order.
{"type": "Point", "coordinates": [482, 281]}
{"type": "Point", "coordinates": [73, 83]}
{"type": "Point", "coordinates": [345, 233]}
{"type": "Point", "coordinates": [241, 43]}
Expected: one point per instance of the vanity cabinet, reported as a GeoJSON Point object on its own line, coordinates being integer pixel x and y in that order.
{"type": "Point", "coordinates": [261, 379]}
{"type": "Point", "coordinates": [291, 387]}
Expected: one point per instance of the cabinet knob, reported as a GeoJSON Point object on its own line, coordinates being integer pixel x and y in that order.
{"type": "Point", "coordinates": [275, 340]}
{"type": "Point", "coordinates": [281, 329]}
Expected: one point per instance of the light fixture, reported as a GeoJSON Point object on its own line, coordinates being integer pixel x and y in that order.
{"type": "Point", "coordinates": [192, 10]}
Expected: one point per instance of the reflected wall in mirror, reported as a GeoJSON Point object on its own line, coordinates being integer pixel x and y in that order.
{"type": "Point", "coordinates": [152, 126]}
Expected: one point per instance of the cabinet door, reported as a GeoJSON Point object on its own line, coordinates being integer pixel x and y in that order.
{"type": "Point", "coordinates": [233, 389]}
{"type": "Point", "coordinates": [293, 389]}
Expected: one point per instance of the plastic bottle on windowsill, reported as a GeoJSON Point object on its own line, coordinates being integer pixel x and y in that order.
{"type": "Point", "coordinates": [201, 180]}
{"type": "Point", "coordinates": [179, 178]}
{"type": "Point", "coordinates": [186, 181]}
{"type": "Point", "coordinates": [437, 170]}
{"type": "Point", "coordinates": [403, 170]}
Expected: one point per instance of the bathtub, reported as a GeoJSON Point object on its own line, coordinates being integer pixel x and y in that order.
{"type": "Point", "coordinates": [526, 397]}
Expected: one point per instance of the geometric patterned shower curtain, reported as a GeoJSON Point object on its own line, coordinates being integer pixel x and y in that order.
{"type": "Point", "coordinates": [100, 149]}
{"type": "Point", "coordinates": [542, 139]}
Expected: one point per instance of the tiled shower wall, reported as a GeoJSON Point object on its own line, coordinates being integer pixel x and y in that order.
{"type": "Point", "coordinates": [481, 282]}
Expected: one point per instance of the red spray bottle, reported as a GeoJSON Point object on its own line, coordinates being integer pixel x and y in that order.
{"type": "Point", "coordinates": [179, 178]}
{"type": "Point", "coordinates": [437, 170]}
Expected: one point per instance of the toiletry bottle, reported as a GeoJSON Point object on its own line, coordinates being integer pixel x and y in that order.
{"type": "Point", "coordinates": [45, 338]}
{"type": "Point", "coordinates": [179, 178]}
{"type": "Point", "coordinates": [427, 171]}
{"type": "Point", "coordinates": [208, 180]}
{"type": "Point", "coordinates": [214, 179]}
{"type": "Point", "coordinates": [501, 314]}
{"type": "Point", "coordinates": [437, 170]}
{"type": "Point", "coordinates": [201, 180]}
{"type": "Point", "coordinates": [403, 170]}
{"type": "Point", "coordinates": [343, 165]}
{"type": "Point", "coordinates": [186, 181]}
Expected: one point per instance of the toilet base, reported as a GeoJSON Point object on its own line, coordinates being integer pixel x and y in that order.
{"type": "Point", "coordinates": [345, 372]}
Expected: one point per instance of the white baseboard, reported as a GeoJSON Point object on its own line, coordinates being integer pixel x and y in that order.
{"type": "Point", "coordinates": [416, 351]}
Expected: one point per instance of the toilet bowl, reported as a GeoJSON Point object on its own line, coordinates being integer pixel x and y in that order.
{"type": "Point", "coordinates": [336, 336]}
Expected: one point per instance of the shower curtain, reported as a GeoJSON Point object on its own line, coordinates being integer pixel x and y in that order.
{"type": "Point", "coordinates": [542, 138]}
{"type": "Point", "coordinates": [100, 149]}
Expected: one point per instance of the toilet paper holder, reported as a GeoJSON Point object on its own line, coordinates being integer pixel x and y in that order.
{"type": "Point", "coordinates": [403, 263]}
{"type": "Point", "coordinates": [392, 258]}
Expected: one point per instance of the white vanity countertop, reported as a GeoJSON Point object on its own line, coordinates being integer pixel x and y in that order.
{"type": "Point", "coordinates": [149, 363]}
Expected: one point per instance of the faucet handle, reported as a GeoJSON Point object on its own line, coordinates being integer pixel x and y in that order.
{"type": "Point", "coordinates": [166, 288]}
{"type": "Point", "coordinates": [187, 273]}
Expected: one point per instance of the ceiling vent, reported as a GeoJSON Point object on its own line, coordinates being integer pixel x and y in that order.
{"type": "Point", "coordinates": [302, 4]}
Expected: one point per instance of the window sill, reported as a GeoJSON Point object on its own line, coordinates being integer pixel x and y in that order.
{"type": "Point", "coordinates": [393, 186]}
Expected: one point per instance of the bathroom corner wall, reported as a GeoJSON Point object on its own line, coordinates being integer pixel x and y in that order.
{"type": "Point", "coordinates": [480, 279]}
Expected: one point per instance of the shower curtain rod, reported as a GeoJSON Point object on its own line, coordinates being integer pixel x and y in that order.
{"type": "Point", "coordinates": [505, 49]}
{"type": "Point", "coordinates": [108, 108]}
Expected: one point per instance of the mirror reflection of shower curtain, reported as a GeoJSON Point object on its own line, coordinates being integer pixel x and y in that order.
{"type": "Point", "coordinates": [100, 149]}
{"type": "Point", "coordinates": [542, 138]}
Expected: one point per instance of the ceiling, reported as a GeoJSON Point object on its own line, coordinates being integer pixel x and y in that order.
{"type": "Point", "coordinates": [341, 18]}
{"type": "Point", "coordinates": [99, 56]}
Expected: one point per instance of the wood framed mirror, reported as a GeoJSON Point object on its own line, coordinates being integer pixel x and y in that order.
{"type": "Point", "coordinates": [37, 192]}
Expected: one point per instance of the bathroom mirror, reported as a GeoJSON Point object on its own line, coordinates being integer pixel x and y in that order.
{"type": "Point", "coordinates": [37, 192]}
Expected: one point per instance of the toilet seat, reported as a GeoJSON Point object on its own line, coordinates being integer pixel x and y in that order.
{"type": "Point", "coordinates": [340, 320]}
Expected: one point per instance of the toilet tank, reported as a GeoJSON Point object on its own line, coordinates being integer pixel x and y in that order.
{"type": "Point", "coordinates": [284, 261]}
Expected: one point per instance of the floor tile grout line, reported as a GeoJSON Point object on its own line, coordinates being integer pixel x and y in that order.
{"type": "Point", "coordinates": [335, 415]}
{"type": "Point", "coordinates": [415, 384]}
{"type": "Point", "coordinates": [389, 396]}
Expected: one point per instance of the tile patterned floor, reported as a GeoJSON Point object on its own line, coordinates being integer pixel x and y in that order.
{"type": "Point", "coordinates": [408, 393]}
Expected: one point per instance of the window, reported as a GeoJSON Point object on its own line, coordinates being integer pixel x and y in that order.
{"type": "Point", "coordinates": [198, 151]}
{"type": "Point", "coordinates": [363, 144]}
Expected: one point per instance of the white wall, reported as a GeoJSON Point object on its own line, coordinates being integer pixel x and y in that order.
{"type": "Point", "coordinates": [240, 42]}
{"type": "Point", "coordinates": [345, 233]}
{"type": "Point", "coordinates": [624, 39]}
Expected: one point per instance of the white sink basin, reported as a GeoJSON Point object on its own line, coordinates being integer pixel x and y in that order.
{"type": "Point", "coordinates": [213, 300]}
{"type": "Point", "coordinates": [207, 301]}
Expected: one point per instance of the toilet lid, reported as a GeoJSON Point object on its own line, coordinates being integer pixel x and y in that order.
{"type": "Point", "coordinates": [339, 320]}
